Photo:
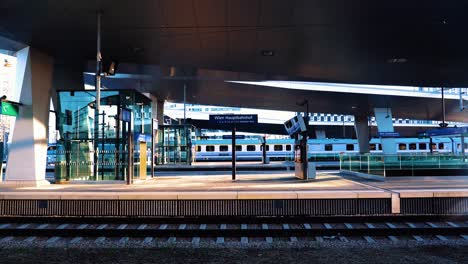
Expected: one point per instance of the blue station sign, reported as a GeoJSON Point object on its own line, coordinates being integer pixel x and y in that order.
{"type": "Point", "coordinates": [237, 137]}
{"type": "Point", "coordinates": [233, 119]}
{"type": "Point", "coordinates": [451, 131]}
{"type": "Point", "coordinates": [389, 134]}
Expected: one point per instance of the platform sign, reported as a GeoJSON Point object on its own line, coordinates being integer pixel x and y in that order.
{"type": "Point", "coordinates": [389, 134]}
{"type": "Point", "coordinates": [451, 131]}
{"type": "Point", "coordinates": [233, 119]}
{"type": "Point", "coordinates": [125, 115]}
{"type": "Point", "coordinates": [237, 137]}
{"type": "Point", "coordinates": [141, 137]}
{"type": "Point", "coordinates": [9, 109]}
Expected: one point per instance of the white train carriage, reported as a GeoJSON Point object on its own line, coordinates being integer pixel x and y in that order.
{"type": "Point", "coordinates": [319, 149]}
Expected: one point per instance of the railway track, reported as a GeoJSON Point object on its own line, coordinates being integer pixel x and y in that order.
{"type": "Point", "coordinates": [224, 230]}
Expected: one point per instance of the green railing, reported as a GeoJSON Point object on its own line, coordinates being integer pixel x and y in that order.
{"type": "Point", "coordinates": [381, 164]}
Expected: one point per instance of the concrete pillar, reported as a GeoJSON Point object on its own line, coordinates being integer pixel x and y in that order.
{"type": "Point", "coordinates": [157, 109]}
{"type": "Point", "coordinates": [361, 125]}
{"type": "Point", "coordinates": [383, 116]}
{"type": "Point", "coordinates": [28, 151]}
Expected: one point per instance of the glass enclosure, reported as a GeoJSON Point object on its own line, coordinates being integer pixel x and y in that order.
{"type": "Point", "coordinates": [174, 145]}
{"type": "Point", "coordinates": [109, 145]}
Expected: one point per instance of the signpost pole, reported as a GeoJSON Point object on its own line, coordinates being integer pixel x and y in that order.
{"type": "Point", "coordinates": [264, 150]}
{"type": "Point", "coordinates": [234, 153]}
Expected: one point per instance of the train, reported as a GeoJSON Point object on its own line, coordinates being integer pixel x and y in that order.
{"type": "Point", "coordinates": [318, 149]}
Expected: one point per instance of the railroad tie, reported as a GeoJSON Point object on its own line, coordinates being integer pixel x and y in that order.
{"type": "Point", "coordinates": [196, 240]}
{"type": "Point", "coordinates": [30, 239]}
{"type": "Point", "coordinates": [100, 240]}
{"type": "Point", "coordinates": [220, 240]}
{"type": "Point", "coordinates": [369, 239]}
{"type": "Point", "coordinates": [83, 226]}
{"type": "Point", "coordinates": [440, 237]}
{"type": "Point", "coordinates": [76, 240]}
{"type": "Point", "coordinates": [124, 240]}
{"type": "Point", "coordinates": [62, 226]}
{"type": "Point", "coordinates": [148, 240]}
{"type": "Point", "coordinates": [53, 239]}
{"type": "Point", "coordinates": [6, 239]}
{"type": "Point", "coordinates": [267, 239]}
{"type": "Point", "coordinates": [244, 240]}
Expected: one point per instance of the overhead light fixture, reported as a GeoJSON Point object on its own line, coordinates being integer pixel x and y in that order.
{"type": "Point", "coordinates": [268, 53]}
{"type": "Point", "coordinates": [110, 67]}
{"type": "Point", "coordinates": [397, 60]}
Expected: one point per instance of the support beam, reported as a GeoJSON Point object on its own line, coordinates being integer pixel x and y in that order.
{"type": "Point", "coordinates": [28, 151]}
{"type": "Point", "coordinates": [361, 125]}
{"type": "Point", "coordinates": [157, 112]}
{"type": "Point", "coordinates": [383, 116]}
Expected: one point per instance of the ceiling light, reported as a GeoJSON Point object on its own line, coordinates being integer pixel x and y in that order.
{"type": "Point", "coordinates": [397, 60]}
{"type": "Point", "coordinates": [268, 53]}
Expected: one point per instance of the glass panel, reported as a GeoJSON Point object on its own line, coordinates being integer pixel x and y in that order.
{"type": "Point", "coordinates": [210, 148]}
{"type": "Point", "coordinates": [278, 147]}
{"type": "Point", "coordinates": [223, 148]}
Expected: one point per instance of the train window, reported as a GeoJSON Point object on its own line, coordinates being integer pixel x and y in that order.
{"type": "Point", "coordinates": [278, 147]}
{"type": "Point", "coordinates": [441, 145]}
{"type": "Point", "coordinates": [372, 147]}
{"type": "Point", "coordinates": [250, 147]}
{"type": "Point", "coordinates": [412, 146]}
{"type": "Point", "coordinates": [422, 146]}
{"type": "Point", "coordinates": [198, 148]}
{"type": "Point", "coordinates": [288, 147]}
{"type": "Point", "coordinates": [209, 148]}
{"type": "Point", "coordinates": [328, 147]}
{"type": "Point", "coordinates": [433, 146]}
{"type": "Point", "coordinates": [223, 148]}
{"type": "Point", "coordinates": [238, 148]}
{"type": "Point", "coordinates": [379, 146]}
{"type": "Point", "coordinates": [267, 147]}
{"type": "Point", "coordinates": [402, 146]}
{"type": "Point", "coordinates": [466, 145]}
{"type": "Point", "coordinates": [349, 146]}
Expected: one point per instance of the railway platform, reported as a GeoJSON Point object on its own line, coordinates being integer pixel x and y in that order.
{"type": "Point", "coordinates": [244, 166]}
{"type": "Point", "coordinates": [265, 193]}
